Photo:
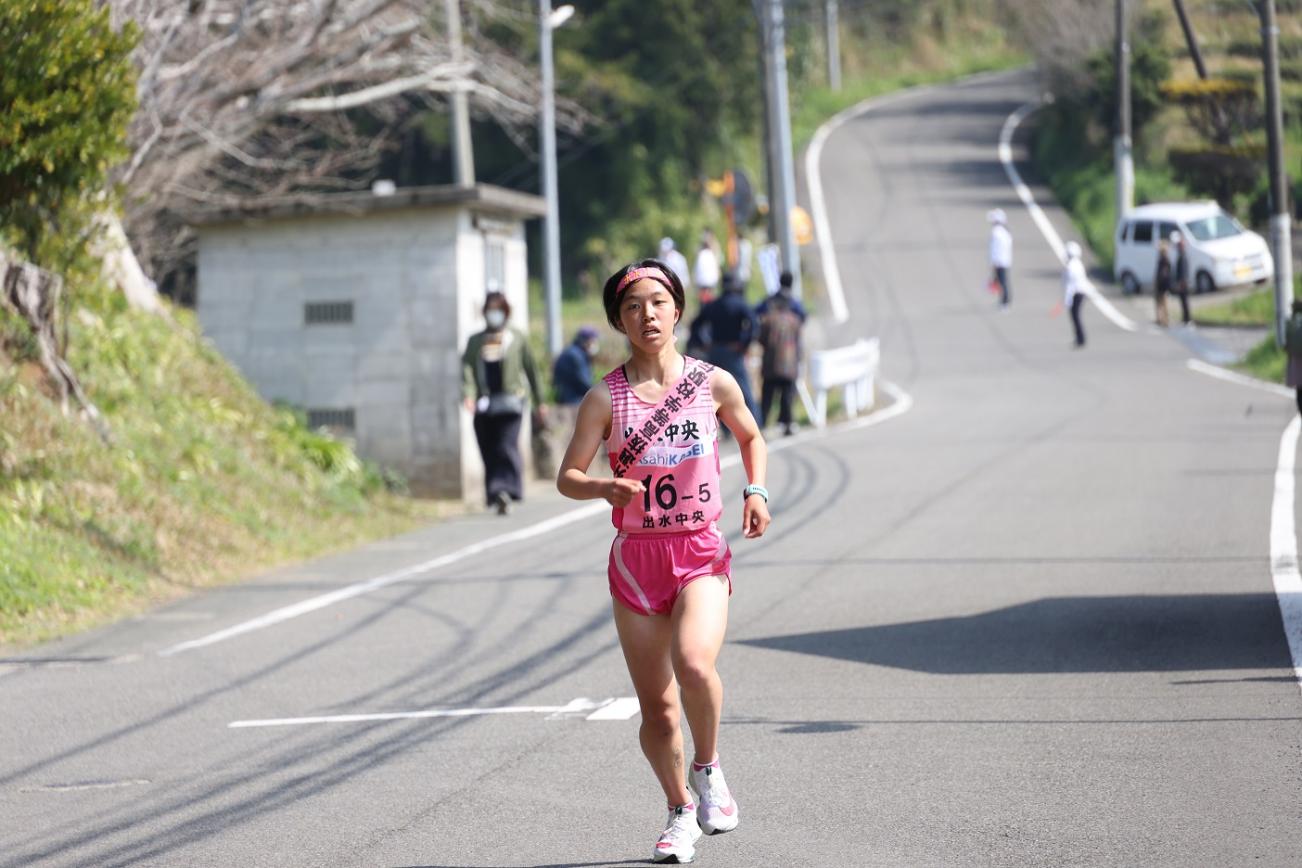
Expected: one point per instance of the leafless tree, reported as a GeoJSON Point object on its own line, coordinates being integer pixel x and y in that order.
{"type": "Point", "coordinates": [243, 99]}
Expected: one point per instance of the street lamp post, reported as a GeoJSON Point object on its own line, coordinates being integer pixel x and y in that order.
{"type": "Point", "coordinates": [782, 172]}
{"type": "Point", "coordinates": [549, 20]}
{"type": "Point", "coordinates": [1122, 157]}
{"type": "Point", "coordinates": [1281, 243]}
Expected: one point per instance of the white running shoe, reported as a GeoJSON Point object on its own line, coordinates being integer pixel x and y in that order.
{"type": "Point", "coordinates": [677, 842]}
{"type": "Point", "coordinates": [715, 807]}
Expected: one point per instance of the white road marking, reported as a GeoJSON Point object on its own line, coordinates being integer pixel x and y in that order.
{"type": "Point", "coordinates": [587, 708]}
{"type": "Point", "coordinates": [1037, 214]}
{"type": "Point", "coordinates": [1283, 546]}
{"type": "Point", "coordinates": [357, 589]}
{"type": "Point", "coordinates": [87, 785]}
{"type": "Point", "coordinates": [1228, 376]}
{"type": "Point", "coordinates": [617, 709]}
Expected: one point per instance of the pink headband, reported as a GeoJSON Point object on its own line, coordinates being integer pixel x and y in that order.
{"type": "Point", "coordinates": [649, 272]}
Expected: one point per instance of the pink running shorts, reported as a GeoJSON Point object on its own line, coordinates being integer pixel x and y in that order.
{"type": "Point", "coordinates": [647, 572]}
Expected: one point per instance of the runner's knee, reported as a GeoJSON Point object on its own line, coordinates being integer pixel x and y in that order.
{"type": "Point", "coordinates": [695, 673]}
{"type": "Point", "coordinates": [660, 719]}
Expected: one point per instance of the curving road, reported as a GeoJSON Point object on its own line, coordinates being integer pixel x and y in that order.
{"type": "Point", "coordinates": [1028, 622]}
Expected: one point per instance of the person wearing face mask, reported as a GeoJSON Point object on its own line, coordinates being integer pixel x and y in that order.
{"type": "Point", "coordinates": [499, 381]}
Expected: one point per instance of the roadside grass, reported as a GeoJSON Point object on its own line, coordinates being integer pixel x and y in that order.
{"type": "Point", "coordinates": [1265, 361]}
{"type": "Point", "coordinates": [203, 484]}
{"type": "Point", "coordinates": [1257, 309]}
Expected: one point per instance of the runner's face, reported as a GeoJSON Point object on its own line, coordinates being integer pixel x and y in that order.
{"type": "Point", "coordinates": [648, 315]}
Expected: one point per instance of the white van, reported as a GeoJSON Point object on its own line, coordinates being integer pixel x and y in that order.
{"type": "Point", "coordinates": [1221, 252]}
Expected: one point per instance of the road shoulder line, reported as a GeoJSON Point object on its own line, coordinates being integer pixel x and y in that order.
{"type": "Point", "coordinates": [1200, 367]}
{"type": "Point", "coordinates": [1283, 546]}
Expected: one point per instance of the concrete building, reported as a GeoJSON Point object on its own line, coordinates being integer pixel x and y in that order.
{"type": "Point", "coordinates": [355, 308]}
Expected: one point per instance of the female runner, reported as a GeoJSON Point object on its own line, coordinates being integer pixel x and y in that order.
{"type": "Point", "coordinates": [670, 566]}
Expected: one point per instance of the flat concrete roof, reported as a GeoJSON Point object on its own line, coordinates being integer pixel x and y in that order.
{"type": "Point", "coordinates": [484, 198]}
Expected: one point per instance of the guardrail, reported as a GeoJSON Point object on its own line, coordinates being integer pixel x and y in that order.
{"type": "Point", "coordinates": [853, 368]}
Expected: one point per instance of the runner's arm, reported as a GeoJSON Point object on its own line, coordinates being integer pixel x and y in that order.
{"type": "Point", "coordinates": [734, 413]}
{"type": "Point", "coordinates": [591, 427]}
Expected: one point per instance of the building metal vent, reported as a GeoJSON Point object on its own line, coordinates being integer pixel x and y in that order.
{"type": "Point", "coordinates": [343, 419]}
{"type": "Point", "coordinates": [328, 313]}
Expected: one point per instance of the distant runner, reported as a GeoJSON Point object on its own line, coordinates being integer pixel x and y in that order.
{"type": "Point", "coordinates": [1001, 254]}
{"type": "Point", "coordinates": [670, 566]}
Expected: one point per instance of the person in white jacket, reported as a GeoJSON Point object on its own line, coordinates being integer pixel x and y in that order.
{"type": "Point", "coordinates": [1001, 253]}
{"type": "Point", "coordinates": [706, 273]}
{"type": "Point", "coordinates": [673, 257]}
{"type": "Point", "coordinates": [1075, 284]}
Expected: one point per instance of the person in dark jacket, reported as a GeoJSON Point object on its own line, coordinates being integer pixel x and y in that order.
{"type": "Point", "coordinates": [499, 379]}
{"type": "Point", "coordinates": [1162, 282]}
{"type": "Point", "coordinates": [1180, 276]}
{"type": "Point", "coordinates": [572, 373]}
{"type": "Point", "coordinates": [572, 377]}
{"type": "Point", "coordinates": [779, 337]}
{"type": "Point", "coordinates": [732, 327]}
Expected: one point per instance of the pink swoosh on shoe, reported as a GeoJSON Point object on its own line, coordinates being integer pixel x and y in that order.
{"type": "Point", "coordinates": [731, 809]}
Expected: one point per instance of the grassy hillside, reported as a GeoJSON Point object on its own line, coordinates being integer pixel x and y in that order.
{"type": "Point", "coordinates": [204, 482]}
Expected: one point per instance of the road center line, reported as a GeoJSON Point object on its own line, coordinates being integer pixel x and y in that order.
{"type": "Point", "coordinates": [1037, 214]}
{"type": "Point", "coordinates": [1283, 546]}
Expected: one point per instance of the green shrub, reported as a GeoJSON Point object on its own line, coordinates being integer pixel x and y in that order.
{"type": "Point", "coordinates": [67, 93]}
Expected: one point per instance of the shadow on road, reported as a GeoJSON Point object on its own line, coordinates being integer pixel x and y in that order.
{"type": "Point", "coordinates": [1070, 634]}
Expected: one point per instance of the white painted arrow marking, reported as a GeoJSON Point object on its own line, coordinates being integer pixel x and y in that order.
{"type": "Point", "coordinates": [606, 709]}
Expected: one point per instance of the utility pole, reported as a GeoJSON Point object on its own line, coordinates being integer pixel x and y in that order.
{"type": "Point", "coordinates": [833, 45]}
{"type": "Point", "coordinates": [463, 154]}
{"type": "Point", "coordinates": [1122, 158]}
{"type": "Point", "coordinates": [551, 223]}
{"type": "Point", "coordinates": [1281, 242]}
{"type": "Point", "coordinates": [783, 195]}
{"type": "Point", "coordinates": [1191, 39]}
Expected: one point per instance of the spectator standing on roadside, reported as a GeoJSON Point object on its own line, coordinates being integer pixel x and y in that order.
{"type": "Point", "coordinates": [1001, 253]}
{"type": "Point", "coordinates": [1180, 276]}
{"type": "Point", "coordinates": [779, 337]}
{"type": "Point", "coordinates": [499, 380]}
{"type": "Point", "coordinates": [1074, 284]}
{"type": "Point", "coordinates": [673, 257]}
{"type": "Point", "coordinates": [1293, 346]}
{"type": "Point", "coordinates": [732, 327]}
{"type": "Point", "coordinates": [572, 375]}
{"type": "Point", "coordinates": [706, 272]}
{"type": "Point", "coordinates": [1162, 282]}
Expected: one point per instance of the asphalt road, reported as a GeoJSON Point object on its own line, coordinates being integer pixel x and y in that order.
{"type": "Point", "coordinates": [1028, 622]}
